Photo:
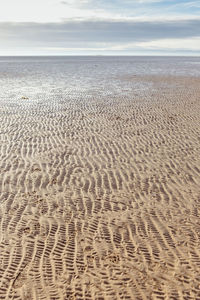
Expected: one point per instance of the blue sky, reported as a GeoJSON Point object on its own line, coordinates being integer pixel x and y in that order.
{"type": "Point", "coordinates": [112, 27]}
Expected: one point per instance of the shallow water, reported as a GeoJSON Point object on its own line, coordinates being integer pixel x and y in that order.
{"type": "Point", "coordinates": [35, 77]}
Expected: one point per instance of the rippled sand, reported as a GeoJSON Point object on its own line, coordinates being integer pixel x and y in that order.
{"type": "Point", "coordinates": [100, 197]}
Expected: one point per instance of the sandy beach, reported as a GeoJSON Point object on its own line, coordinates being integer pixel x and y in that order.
{"type": "Point", "coordinates": [100, 196]}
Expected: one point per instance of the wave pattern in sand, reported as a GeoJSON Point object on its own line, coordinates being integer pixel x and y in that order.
{"type": "Point", "coordinates": [100, 195]}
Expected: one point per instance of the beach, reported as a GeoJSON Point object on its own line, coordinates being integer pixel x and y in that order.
{"type": "Point", "coordinates": [99, 180]}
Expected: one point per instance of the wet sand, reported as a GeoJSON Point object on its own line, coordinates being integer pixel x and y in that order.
{"type": "Point", "coordinates": [100, 197]}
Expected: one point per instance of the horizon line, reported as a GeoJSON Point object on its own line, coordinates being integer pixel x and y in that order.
{"type": "Point", "coordinates": [104, 55]}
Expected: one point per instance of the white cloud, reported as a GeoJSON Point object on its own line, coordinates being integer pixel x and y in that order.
{"type": "Point", "coordinates": [192, 4]}
{"type": "Point", "coordinates": [41, 11]}
{"type": "Point", "coordinates": [192, 44]}
{"type": "Point", "coordinates": [75, 2]}
{"type": "Point", "coordinates": [45, 11]}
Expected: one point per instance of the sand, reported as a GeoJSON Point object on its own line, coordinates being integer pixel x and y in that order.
{"type": "Point", "coordinates": [100, 198]}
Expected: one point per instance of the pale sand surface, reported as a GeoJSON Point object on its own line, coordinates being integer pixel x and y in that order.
{"type": "Point", "coordinates": [100, 199]}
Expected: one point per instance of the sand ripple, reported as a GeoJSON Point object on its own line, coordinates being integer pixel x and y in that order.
{"type": "Point", "coordinates": [100, 197]}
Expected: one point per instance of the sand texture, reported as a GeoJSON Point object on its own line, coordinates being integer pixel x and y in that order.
{"type": "Point", "coordinates": [100, 196]}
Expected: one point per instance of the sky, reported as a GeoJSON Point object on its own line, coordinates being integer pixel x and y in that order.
{"type": "Point", "coordinates": [99, 27]}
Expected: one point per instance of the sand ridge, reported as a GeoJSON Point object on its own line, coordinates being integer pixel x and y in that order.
{"type": "Point", "coordinates": [100, 197]}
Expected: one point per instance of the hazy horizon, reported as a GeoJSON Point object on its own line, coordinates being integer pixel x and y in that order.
{"type": "Point", "coordinates": [103, 55]}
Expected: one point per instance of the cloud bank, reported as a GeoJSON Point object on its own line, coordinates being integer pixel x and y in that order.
{"type": "Point", "coordinates": [101, 27]}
